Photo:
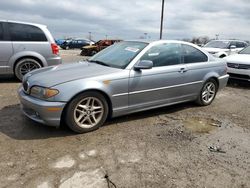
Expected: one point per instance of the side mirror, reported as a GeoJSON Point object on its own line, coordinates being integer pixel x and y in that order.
{"type": "Point", "coordinates": [143, 64]}
{"type": "Point", "coordinates": [232, 47]}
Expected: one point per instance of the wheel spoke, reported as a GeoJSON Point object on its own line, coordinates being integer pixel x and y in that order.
{"type": "Point", "coordinates": [80, 117]}
{"type": "Point", "coordinates": [82, 106]}
{"type": "Point", "coordinates": [94, 118]}
{"type": "Point", "coordinates": [90, 120]}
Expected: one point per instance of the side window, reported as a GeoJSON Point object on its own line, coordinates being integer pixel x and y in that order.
{"type": "Point", "coordinates": [240, 45]}
{"type": "Point", "coordinates": [164, 54]}
{"type": "Point", "coordinates": [233, 43]}
{"type": "Point", "coordinates": [23, 32]}
{"type": "Point", "coordinates": [1, 31]}
{"type": "Point", "coordinates": [193, 55]}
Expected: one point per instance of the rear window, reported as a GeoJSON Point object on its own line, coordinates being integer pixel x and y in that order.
{"type": "Point", "coordinates": [193, 55]}
{"type": "Point", "coordinates": [23, 32]}
{"type": "Point", "coordinates": [1, 31]}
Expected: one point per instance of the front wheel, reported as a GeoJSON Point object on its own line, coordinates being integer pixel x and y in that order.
{"type": "Point", "coordinates": [87, 112]}
{"type": "Point", "coordinates": [208, 93]}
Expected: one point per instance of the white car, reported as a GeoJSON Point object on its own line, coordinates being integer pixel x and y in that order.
{"type": "Point", "coordinates": [239, 65]}
{"type": "Point", "coordinates": [223, 48]}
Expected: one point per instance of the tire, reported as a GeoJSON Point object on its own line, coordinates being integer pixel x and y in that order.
{"type": "Point", "coordinates": [24, 66]}
{"type": "Point", "coordinates": [207, 93]}
{"type": "Point", "coordinates": [81, 117]}
{"type": "Point", "coordinates": [67, 48]}
{"type": "Point", "coordinates": [83, 53]}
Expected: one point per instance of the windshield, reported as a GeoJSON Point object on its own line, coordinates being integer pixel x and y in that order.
{"type": "Point", "coordinates": [217, 44]}
{"type": "Point", "coordinates": [119, 55]}
{"type": "Point", "coordinates": [245, 50]}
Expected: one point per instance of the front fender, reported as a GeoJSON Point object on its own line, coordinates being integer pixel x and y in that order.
{"type": "Point", "coordinates": [70, 89]}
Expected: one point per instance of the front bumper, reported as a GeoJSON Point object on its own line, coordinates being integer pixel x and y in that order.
{"type": "Point", "coordinates": [239, 74]}
{"type": "Point", "coordinates": [44, 112]}
{"type": "Point", "coordinates": [223, 81]}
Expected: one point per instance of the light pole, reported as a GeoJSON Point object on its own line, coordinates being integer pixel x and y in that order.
{"type": "Point", "coordinates": [162, 15]}
{"type": "Point", "coordinates": [89, 35]}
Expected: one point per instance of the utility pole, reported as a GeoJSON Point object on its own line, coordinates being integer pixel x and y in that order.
{"type": "Point", "coordinates": [162, 16]}
{"type": "Point", "coordinates": [90, 36]}
{"type": "Point", "coordinates": [217, 36]}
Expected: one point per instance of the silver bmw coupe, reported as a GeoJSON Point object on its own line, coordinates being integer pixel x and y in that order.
{"type": "Point", "coordinates": [124, 78]}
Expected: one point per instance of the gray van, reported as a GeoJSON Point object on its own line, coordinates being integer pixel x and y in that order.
{"type": "Point", "coordinates": [25, 47]}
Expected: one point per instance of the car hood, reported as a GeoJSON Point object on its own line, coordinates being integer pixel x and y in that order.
{"type": "Point", "coordinates": [51, 76]}
{"type": "Point", "coordinates": [214, 50]}
{"type": "Point", "coordinates": [238, 58]}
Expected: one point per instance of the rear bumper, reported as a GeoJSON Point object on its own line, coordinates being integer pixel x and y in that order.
{"type": "Point", "coordinates": [54, 61]}
{"type": "Point", "coordinates": [44, 112]}
{"type": "Point", "coordinates": [223, 81]}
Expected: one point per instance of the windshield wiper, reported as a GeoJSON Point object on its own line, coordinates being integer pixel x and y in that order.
{"type": "Point", "coordinates": [99, 62]}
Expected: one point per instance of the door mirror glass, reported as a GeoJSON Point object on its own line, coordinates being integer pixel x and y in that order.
{"type": "Point", "coordinates": [143, 64]}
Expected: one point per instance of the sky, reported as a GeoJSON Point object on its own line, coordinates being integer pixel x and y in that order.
{"type": "Point", "coordinates": [130, 19]}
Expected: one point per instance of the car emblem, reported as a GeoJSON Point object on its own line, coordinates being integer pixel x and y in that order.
{"type": "Point", "coordinates": [236, 66]}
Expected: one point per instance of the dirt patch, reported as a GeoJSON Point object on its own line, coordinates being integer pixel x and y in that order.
{"type": "Point", "coordinates": [201, 125]}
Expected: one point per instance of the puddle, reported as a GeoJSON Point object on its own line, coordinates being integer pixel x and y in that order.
{"type": "Point", "coordinates": [201, 125]}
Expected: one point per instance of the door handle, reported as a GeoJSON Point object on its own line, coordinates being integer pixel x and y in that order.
{"type": "Point", "coordinates": [182, 70]}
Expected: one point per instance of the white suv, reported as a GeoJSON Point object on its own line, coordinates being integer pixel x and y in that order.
{"type": "Point", "coordinates": [25, 47]}
{"type": "Point", "coordinates": [223, 48]}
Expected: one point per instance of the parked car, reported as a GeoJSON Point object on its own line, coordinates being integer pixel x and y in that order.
{"type": "Point", "coordinates": [61, 41]}
{"type": "Point", "coordinates": [223, 48]}
{"type": "Point", "coordinates": [25, 47]}
{"type": "Point", "coordinates": [124, 78]}
{"type": "Point", "coordinates": [239, 65]}
{"type": "Point", "coordinates": [91, 50]}
{"type": "Point", "coordinates": [75, 43]}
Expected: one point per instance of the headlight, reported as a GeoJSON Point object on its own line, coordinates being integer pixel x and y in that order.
{"type": "Point", "coordinates": [42, 92]}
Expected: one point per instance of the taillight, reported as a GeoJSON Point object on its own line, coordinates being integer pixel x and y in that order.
{"type": "Point", "coordinates": [55, 49]}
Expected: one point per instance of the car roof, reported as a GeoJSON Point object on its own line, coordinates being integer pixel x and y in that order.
{"type": "Point", "coordinates": [160, 41]}
{"type": "Point", "coordinates": [233, 40]}
{"type": "Point", "coordinates": [21, 22]}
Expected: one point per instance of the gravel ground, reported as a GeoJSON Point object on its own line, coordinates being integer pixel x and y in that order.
{"type": "Point", "coordinates": [178, 146]}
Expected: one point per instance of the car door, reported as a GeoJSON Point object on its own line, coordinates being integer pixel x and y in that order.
{"type": "Point", "coordinates": [163, 83]}
{"type": "Point", "coordinates": [197, 66]}
{"type": "Point", "coordinates": [6, 49]}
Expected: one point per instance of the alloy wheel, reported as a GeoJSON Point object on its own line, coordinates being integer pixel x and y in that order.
{"type": "Point", "coordinates": [88, 112]}
{"type": "Point", "coordinates": [208, 92]}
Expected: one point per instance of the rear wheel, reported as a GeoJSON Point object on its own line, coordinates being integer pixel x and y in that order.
{"type": "Point", "coordinates": [24, 66]}
{"type": "Point", "coordinates": [208, 93]}
{"type": "Point", "coordinates": [87, 112]}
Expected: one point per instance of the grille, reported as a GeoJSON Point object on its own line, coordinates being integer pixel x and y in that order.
{"type": "Point", "coordinates": [239, 76]}
{"type": "Point", "coordinates": [238, 66]}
